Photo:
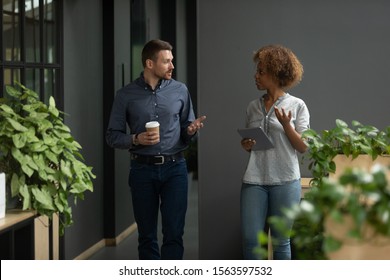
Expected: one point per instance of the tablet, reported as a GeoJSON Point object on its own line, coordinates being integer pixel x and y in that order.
{"type": "Point", "coordinates": [262, 140]}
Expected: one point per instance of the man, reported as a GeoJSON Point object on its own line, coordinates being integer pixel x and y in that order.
{"type": "Point", "coordinates": [158, 173]}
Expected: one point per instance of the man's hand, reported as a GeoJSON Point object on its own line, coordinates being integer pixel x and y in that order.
{"type": "Point", "coordinates": [149, 138]}
{"type": "Point", "coordinates": [195, 125]}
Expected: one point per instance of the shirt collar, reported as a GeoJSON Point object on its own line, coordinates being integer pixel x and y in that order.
{"type": "Point", "coordinates": [141, 81]}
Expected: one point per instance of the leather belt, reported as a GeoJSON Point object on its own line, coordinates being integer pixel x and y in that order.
{"type": "Point", "coordinates": [156, 160]}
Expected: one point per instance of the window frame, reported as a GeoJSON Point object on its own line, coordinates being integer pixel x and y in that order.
{"type": "Point", "coordinates": [41, 66]}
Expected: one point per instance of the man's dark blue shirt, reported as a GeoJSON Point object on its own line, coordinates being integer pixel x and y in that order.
{"type": "Point", "coordinates": [137, 103]}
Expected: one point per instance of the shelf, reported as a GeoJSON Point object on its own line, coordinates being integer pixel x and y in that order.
{"type": "Point", "coordinates": [12, 217]}
{"type": "Point", "coordinates": [17, 235]}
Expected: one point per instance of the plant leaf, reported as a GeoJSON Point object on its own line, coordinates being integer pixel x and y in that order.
{"type": "Point", "coordinates": [44, 197]}
{"type": "Point", "coordinates": [52, 107]}
{"type": "Point", "coordinates": [12, 91]}
{"type": "Point", "coordinates": [65, 167]}
{"type": "Point", "coordinates": [15, 185]}
{"type": "Point", "coordinates": [16, 125]}
{"type": "Point", "coordinates": [19, 140]}
{"type": "Point", "coordinates": [341, 123]}
{"type": "Point", "coordinates": [7, 109]}
{"type": "Point", "coordinates": [24, 192]}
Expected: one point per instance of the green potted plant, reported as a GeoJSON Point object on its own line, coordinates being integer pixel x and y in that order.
{"type": "Point", "coordinates": [347, 215]}
{"type": "Point", "coordinates": [41, 159]}
{"type": "Point", "coordinates": [340, 198]}
{"type": "Point", "coordinates": [350, 142]}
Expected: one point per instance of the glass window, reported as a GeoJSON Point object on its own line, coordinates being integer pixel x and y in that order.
{"type": "Point", "coordinates": [32, 34]}
{"type": "Point", "coordinates": [11, 75]}
{"type": "Point", "coordinates": [11, 30]}
{"type": "Point", "coordinates": [50, 35]}
{"type": "Point", "coordinates": [30, 53]}
{"type": "Point", "coordinates": [33, 79]}
{"type": "Point", "coordinates": [50, 84]}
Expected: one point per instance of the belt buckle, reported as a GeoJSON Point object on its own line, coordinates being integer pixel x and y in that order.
{"type": "Point", "coordinates": [162, 160]}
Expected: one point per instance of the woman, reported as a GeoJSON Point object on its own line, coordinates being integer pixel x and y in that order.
{"type": "Point", "coordinates": [272, 178]}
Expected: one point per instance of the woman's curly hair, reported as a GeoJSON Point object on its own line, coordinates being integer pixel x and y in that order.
{"type": "Point", "coordinates": [281, 64]}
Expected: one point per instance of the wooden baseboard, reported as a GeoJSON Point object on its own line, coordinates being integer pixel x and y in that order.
{"type": "Point", "coordinates": [107, 242]}
{"type": "Point", "coordinates": [92, 250]}
{"type": "Point", "coordinates": [115, 241]}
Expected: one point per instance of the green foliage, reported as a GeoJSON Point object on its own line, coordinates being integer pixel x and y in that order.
{"type": "Point", "coordinates": [41, 159]}
{"type": "Point", "coordinates": [365, 196]}
{"type": "Point", "coordinates": [362, 195]}
{"type": "Point", "coordinates": [342, 139]}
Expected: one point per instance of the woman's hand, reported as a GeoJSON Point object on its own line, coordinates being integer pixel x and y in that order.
{"type": "Point", "coordinates": [247, 144]}
{"type": "Point", "coordinates": [283, 118]}
{"type": "Point", "coordinates": [293, 136]}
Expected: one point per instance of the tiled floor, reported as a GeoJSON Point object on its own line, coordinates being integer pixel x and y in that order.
{"type": "Point", "coordinates": [127, 249]}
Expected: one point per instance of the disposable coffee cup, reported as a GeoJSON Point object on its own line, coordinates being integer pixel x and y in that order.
{"type": "Point", "coordinates": [153, 126]}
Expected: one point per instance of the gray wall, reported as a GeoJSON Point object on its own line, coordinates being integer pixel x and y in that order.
{"type": "Point", "coordinates": [123, 206]}
{"type": "Point", "coordinates": [344, 47]}
{"type": "Point", "coordinates": [83, 80]}
{"type": "Point", "coordinates": [83, 104]}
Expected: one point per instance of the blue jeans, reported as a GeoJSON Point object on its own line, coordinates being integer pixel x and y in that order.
{"type": "Point", "coordinates": [257, 204]}
{"type": "Point", "coordinates": [163, 187]}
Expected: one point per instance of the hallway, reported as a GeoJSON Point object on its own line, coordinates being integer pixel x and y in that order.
{"type": "Point", "coordinates": [127, 249]}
